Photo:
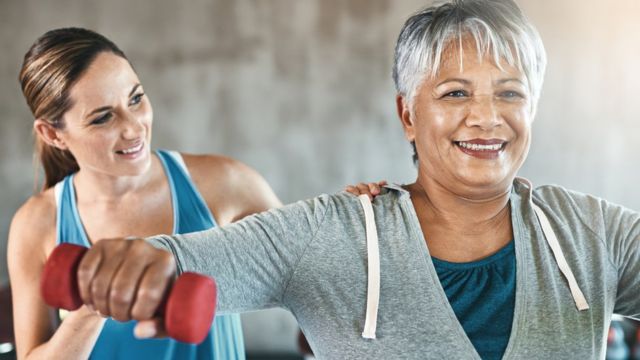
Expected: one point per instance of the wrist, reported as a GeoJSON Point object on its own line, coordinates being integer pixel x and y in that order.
{"type": "Point", "coordinates": [85, 313]}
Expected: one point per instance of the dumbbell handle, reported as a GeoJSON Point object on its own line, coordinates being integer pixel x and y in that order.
{"type": "Point", "coordinates": [188, 310]}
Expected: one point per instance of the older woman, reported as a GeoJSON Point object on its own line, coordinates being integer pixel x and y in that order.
{"type": "Point", "coordinates": [467, 262]}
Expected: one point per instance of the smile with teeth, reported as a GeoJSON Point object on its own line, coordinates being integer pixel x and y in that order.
{"type": "Point", "coordinates": [479, 147]}
{"type": "Point", "coordinates": [131, 150]}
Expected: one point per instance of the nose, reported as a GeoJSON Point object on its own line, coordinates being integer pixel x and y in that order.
{"type": "Point", "coordinates": [483, 112]}
{"type": "Point", "coordinates": [132, 126]}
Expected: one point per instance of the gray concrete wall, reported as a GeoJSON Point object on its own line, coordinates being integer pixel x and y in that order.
{"type": "Point", "coordinates": [301, 91]}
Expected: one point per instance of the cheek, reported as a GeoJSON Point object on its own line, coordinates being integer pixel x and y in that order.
{"type": "Point", "coordinates": [147, 111]}
{"type": "Point", "coordinates": [439, 124]}
{"type": "Point", "coordinates": [101, 141]}
{"type": "Point", "coordinates": [90, 148]}
{"type": "Point", "coordinates": [147, 119]}
{"type": "Point", "coordinates": [521, 125]}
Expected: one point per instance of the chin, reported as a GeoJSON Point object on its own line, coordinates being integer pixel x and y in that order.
{"type": "Point", "coordinates": [137, 169]}
{"type": "Point", "coordinates": [487, 181]}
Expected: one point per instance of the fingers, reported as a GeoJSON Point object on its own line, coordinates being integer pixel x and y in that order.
{"type": "Point", "coordinates": [352, 189]}
{"type": "Point", "coordinates": [100, 287]}
{"type": "Point", "coordinates": [374, 188]}
{"type": "Point", "coordinates": [125, 283]}
{"type": "Point", "coordinates": [146, 329]}
{"type": "Point", "coordinates": [153, 285]}
{"type": "Point", "coordinates": [87, 269]}
{"type": "Point", "coordinates": [355, 189]}
{"type": "Point", "coordinates": [125, 279]}
{"type": "Point", "coordinates": [369, 189]}
{"type": "Point", "coordinates": [364, 190]}
{"type": "Point", "coordinates": [360, 189]}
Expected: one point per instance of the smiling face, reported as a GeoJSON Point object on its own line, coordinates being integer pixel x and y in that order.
{"type": "Point", "coordinates": [471, 124]}
{"type": "Point", "coordinates": [108, 127]}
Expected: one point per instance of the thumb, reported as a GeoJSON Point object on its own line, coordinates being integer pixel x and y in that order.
{"type": "Point", "coordinates": [152, 328]}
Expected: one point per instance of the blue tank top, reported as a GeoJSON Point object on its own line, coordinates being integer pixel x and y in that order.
{"type": "Point", "coordinates": [190, 214]}
{"type": "Point", "coordinates": [482, 295]}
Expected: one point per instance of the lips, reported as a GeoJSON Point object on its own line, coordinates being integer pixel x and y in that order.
{"type": "Point", "coordinates": [131, 150]}
{"type": "Point", "coordinates": [482, 148]}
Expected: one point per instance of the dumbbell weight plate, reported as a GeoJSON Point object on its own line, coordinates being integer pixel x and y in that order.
{"type": "Point", "coordinates": [59, 282]}
{"type": "Point", "coordinates": [190, 308]}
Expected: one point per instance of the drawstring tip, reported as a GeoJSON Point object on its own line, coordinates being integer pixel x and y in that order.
{"type": "Point", "coordinates": [368, 335]}
{"type": "Point", "coordinates": [583, 307]}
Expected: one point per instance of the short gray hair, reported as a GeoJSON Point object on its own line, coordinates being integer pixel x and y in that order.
{"type": "Point", "coordinates": [498, 27]}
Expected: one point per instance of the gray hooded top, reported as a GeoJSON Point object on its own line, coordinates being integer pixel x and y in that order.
{"type": "Point", "coordinates": [311, 258]}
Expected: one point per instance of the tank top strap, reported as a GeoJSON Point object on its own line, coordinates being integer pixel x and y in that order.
{"type": "Point", "coordinates": [190, 209]}
{"type": "Point", "coordinates": [69, 228]}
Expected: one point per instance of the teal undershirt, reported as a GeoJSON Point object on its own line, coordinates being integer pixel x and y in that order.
{"type": "Point", "coordinates": [482, 295]}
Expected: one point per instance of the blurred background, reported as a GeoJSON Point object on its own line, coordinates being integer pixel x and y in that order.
{"type": "Point", "coordinates": [301, 90]}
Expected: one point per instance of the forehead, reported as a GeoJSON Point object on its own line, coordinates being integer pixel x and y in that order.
{"type": "Point", "coordinates": [108, 77]}
{"type": "Point", "coordinates": [462, 56]}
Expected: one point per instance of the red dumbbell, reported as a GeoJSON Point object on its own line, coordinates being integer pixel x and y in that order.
{"type": "Point", "coordinates": [188, 309]}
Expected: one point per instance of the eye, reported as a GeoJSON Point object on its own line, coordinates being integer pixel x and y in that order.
{"type": "Point", "coordinates": [510, 94]}
{"type": "Point", "coordinates": [456, 94]}
{"type": "Point", "coordinates": [136, 99]}
{"type": "Point", "coordinates": [101, 119]}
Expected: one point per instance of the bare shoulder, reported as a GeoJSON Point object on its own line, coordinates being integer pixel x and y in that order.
{"type": "Point", "coordinates": [232, 189]}
{"type": "Point", "coordinates": [32, 231]}
{"type": "Point", "coordinates": [209, 165]}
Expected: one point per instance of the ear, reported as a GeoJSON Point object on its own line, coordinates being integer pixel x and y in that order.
{"type": "Point", "coordinates": [49, 134]}
{"type": "Point", "coordinates": [404, 113]}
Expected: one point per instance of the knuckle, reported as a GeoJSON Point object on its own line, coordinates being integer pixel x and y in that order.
{"type": "Point", "coordinates": [138, 245]}
{"type": "Point", "coordinates": [138, 313]}
{"type": "Point", "coordinates": [97, 246]}
{"type": "Point", "coordinates": [150, 295]}
{"type": "Point", "coordinates": [111, 246]}
{"type": "Point", "coordinates": [98, 289]}
{"type": "Point", "coordinates": [119, 298]}
{"type": "Point", "coordinates": [166, 260]}
{"type": "Point", "coordinates": [118, 314]}
{"type": "Point", "coordinates": [84, 275]}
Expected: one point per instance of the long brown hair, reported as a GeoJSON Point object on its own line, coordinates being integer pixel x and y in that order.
{"type": "Point", "coordinates": [50, 68]}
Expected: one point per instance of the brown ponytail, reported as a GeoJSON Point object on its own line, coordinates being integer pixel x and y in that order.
{"type": "Point", "coordinates": [50, 68]}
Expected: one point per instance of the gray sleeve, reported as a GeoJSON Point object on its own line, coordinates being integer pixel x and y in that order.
{"type": "Point", "coordinates": [253, 259]}
{"type": "Point", "coordinates": [623, 240]}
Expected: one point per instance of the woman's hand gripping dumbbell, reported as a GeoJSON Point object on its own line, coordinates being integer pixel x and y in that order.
{"type": "Point", "coordinates": [130, 280]}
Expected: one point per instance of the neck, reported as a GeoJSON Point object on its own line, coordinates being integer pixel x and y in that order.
{"type": "Point", "coordinates": [463, 214]}
{"type": "Point", "coordinates": [100, 187]}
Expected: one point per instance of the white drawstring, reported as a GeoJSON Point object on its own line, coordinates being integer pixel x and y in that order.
{"type": "Point", "coordinates": [578, 297]}
{"type": "Point", "coordinates": [552, 240]}
{"type": "Point", "coordinates": [373, 262]}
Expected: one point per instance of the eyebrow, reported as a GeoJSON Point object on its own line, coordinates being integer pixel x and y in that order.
{"type": "Point", "coordinates": [104, 108]}
{"type": "Point", "coordinates": [502, 81]}
{"type": "Point", "coordinates": [464, 81]}
{"type": "Point", "coordinates": [135, 87]}
{"type": "Point", "coordinates": [468, 82]}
